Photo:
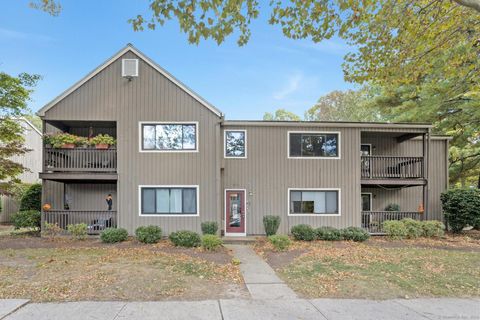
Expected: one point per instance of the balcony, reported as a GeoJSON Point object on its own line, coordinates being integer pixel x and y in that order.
{"type": "Point", "coordinates": [392, 170]}
{"type": "Point", "coordinates": [96, 221]}
{"type": "Point", "coordinates": [80, 160]}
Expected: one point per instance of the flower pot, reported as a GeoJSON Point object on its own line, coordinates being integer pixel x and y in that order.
{"type": "Point", "coordinates": [68, 146]}
{"type": "Point", "coordinates": [101, 146]}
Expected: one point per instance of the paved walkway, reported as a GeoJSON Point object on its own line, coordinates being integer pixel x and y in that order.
{"type": "Point", "coordinates": [261, 280]}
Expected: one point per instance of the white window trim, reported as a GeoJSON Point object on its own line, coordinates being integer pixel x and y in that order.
{"type": "Point", "coordinates": [140, 135]}
{"type": "Point", "coordinates": [371, 149]}
{"type": "Point", "coordinates": [225, 144]}
{"type": "Point", "coordinates": [339, 144]}
{"type": "Point", "coordinates": [123, 68]}
{"type": "Point", "coordinates": [371, 200]}
{"type": "Point", "coordinates": [234, 234]}
{"type": "Point", "coordinates": [315, 214]}
{"type": "Point", "coordinates": [158, 215]}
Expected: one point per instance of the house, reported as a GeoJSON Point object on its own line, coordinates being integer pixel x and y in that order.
{"type": "Point", "coordinates": [178, 162]}
{"type": "Point", "coordinates": [31, 160]}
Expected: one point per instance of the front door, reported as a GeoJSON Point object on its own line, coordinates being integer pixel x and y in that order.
{"type": "Point", "coordinates": [235, 212]}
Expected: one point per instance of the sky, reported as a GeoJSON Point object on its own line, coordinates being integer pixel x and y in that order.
{"type": "Point", "coordinates": [269, 73]}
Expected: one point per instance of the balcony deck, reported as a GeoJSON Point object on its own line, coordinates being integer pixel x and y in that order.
{"type": "Point", "coordinates": [392, 170]}
{"type": "Point", "coordinates": [372, 221]}
{"type": "Point", "coordinates": [96, 221]}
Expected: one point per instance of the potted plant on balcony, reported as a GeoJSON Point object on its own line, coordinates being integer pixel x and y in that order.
{"type": "Point", "coordinates": [82, 142]}
{"type": "Point", "coordinates": [103, 141]}
{"type": "Point", "coordinates": [63, 140]}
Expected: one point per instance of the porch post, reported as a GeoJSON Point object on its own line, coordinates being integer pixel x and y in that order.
{"type": "Point", "coordinates": [426, 187]}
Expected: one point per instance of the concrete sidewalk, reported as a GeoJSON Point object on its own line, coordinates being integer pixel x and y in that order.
{"type": "Point", "coordinates": [338, 309]}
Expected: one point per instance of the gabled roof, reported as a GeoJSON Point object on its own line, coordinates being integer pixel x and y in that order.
{"type": "Point", "coordinates": [131, 48]}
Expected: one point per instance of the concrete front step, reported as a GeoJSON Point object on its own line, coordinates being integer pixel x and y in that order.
{"type": "Point", "coordinates": [240, 240]}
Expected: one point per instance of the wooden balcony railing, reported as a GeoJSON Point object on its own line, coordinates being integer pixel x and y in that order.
{"type": "Point", "coordinates": [372, 221]}
{"type": "Point", "coordinates": [391, 167]}
{"type": "Point", "coordinates": [80, 159]}
{"type": "Point", "coordinates": [96, 221]}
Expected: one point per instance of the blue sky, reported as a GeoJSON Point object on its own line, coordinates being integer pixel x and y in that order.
{"type": "Point", "coordinates": [269, 73]}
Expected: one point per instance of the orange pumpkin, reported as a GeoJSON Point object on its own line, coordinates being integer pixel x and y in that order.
{"type": "Point", "coordinates": [47, 207]}
{"type": "Point", "coordinates": [420, 208]}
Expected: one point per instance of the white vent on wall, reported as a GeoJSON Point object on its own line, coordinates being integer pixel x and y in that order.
{"type": "Point", "coordinates": [129, 68]}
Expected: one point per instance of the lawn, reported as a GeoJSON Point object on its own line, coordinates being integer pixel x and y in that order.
{"type": "Point", "coordinates": [67, 270]}
{"type": "Point", "coordinates": [380, 269]}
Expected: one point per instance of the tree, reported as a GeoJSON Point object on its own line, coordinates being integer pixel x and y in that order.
{"type": "Point", "coordinates": [14, 95]}
{"type": "Point", "coordinates": [281, 115]}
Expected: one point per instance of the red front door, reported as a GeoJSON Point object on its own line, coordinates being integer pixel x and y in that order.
{"type": "Point", "coordinates": [235, 211]}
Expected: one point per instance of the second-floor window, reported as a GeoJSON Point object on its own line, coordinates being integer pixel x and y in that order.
{"type": "Point", "coordinates": [169, 136]}
{"type": "Point", "coordinates": [235, 143]}
{"type": "Point", "coordinates": [313, 145]}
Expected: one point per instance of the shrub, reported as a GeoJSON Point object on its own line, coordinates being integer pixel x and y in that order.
{"type": "Point", "coordinates": [414, 228]}
{"type": "Point", "coordinates": [78, 231]}
{"type": "Point", "coordinates": [271, 224]}
{"type": "Point", "coordinates": [432, 228]}
{"type": "Point", "coordinates": [148, 234]}
{"type": "Point", "coordinates": [303, 232]}
{"type": "Point", "coordinates": [395, 229]}
{"type": "Point", "coordinates": [31, 199]}
{"type": "Point", "coordinates": [185, 238]}
{"type": "Point", "coordinates": [211, 242]}
{"type": "Point", "coordinates": [103, 139]}
{"type": "Point", "coordinates": [461, 207]}
{"type": "Point", "coordinates": [392, 207]}
{"type": "Point", "coordinates": [112, 235]}
{"type": "Point", "coordinates": [280, 242]}
{"type": "Point", "coordinates": [27, 219]}
{"type": "Point", "coordinates": [209, 227]}
{"type": "Point", "coordinates": [328, 233]}
{"type": "Point", "coordinates": [355, 234]}
{"type": "Point", "coordinates": [51, 230]}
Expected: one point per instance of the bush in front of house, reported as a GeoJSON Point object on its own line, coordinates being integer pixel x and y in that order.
{"type": "Point", "coordinates": [303, 232]}
{"type": "Point", "coordinates": [148, 234]}
{"type": "Point", "coordinates": [185, 238]}
{"type": "Point", "coordinates": [271, 224]}
{"type": "Point", "coordinates": [51, 230]}
{"type": "Point", "coordinates": [462, 208]}
{"type": "Point", "coordinates": [27, 219]}
{"type": "Point", "coordinates": [78, 231]}
{"type": "Point", "coordinates": [209, 227]}
{"type": "Point", "coordinates": [211, 242]}
{"type": "Point", "coordinates": [280, 242]}
{"type": "Point", "coordinates": [414, 228]}
{"type": "Point", "coordinates": [432, 228]}
{"type": "Point", "coordinates": [328, 234]}
{"type": "Point", "coordinates": [355, 234]}
{"type": "Point", "coordinates": [31, 198]}
{"type": "Point", "coordinates": [395, 229]}
{"type": "Point", "coordinates": [113, 235]}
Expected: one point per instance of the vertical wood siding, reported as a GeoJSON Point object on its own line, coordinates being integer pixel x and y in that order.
{"type": "Point", "coordinates": [90, 196]}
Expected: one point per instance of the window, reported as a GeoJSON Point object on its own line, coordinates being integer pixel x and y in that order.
{"type": "Point", "coordinates": [313, 145]}
{"type": "Point", "coordinates": [314, 202]}
{"type": "Point", "coordinates": [235, 143]}
{"type": "Point", "coordinates": [169, 200]}
{"type": "Point", "coordinates": [169, 137]}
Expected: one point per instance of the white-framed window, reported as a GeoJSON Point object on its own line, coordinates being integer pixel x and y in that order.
{"type": "Point", "coordinates": [314, 202]}
{"type": "Point", "coordinates": [168, 136]}
{"type": "Point", "coordinates": [129, 67]}
{"type": "Point", "coordinates": [313, 145]}
{"type": "Point", "coordinates": [161, 200]}
{"type": "Point", "coordinates": [235, 144]}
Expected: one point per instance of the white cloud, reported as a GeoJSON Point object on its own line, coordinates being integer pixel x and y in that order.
{"type": "Point", "coordinates": [18, 35]}
{"type": "Point", "coordinates": [292, 85]}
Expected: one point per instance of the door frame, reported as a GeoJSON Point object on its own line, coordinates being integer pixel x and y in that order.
{"type": "Point", "coordinates": [371, 199]}
{"type": "Point", "coordinates": [234, 234]}
{"type": "Point", "coordinates": [369, 146]}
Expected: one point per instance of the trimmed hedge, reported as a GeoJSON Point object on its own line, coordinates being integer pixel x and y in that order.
{"type": "Point", "coordinates": [148, 234]}
{"type": "Point", "coordinates": [303, 232]}
{"type": "Point", "coordinates": [355, 234]}
{"type": "Point", "coordinates": [27, 219]}
{"type": "Point", "coordinates": [209, 227]}
{"type": "Point", "coordinates": [411, 229]}
{"type": "Point", "coordinates": [211, 242]}
{"type": "Point", "coordinates": [113, 235]}
{"type": "Point", "coordinates": [328, 234]}
{"type": "Point", "coordinates": [271, 224]}
{"type": "Point", "coordinates": [78, 231]}
{"type": "Point", "coordinates": [462, 208]}
{"type": "Point", "coordinates": [185, 238]}
{"type": "Point", "coordinates": [280, 242]}
{"type": "Point", "coordinates": [395, 229]}
{"type": "Point", "coordinates": [32, 198]}
{"type": "Point", "coordinates": [414, 228]}
{"type": "Point", "coordinates": [433, 228]}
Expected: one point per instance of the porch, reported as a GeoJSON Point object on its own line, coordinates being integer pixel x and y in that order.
{"type": "Point", "coordinates": [96, 221]}
{"type": "Point", "coordinates": [372, 221]}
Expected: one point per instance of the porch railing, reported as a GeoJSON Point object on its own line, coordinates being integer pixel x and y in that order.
{"type": "Point", "coordinates": [96, 221]}
{"type": "Point", "coordinates": [80, 159]}
{"type": "Point", "coordinates": [387, 167]}
{"type": "Point", "coordinates": [372, 221]}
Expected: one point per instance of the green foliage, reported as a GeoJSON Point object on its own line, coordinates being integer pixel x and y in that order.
{"type": "Point", "coordinates": [432, 228]}
{"type": "Point", "coordinates": [395, 229]}
{"type": "Point", "coordinates": [148, 234]}
{"type": "Point", "coordinates": [328, 234]}
{"type": "Point", "coordinates": [392, 207]}
{"type": "Point", "coordinates": [271, 224]}
{"type": "Point", "coordinates": [209, 227]}
{"type": "Point", "coordinates": [32, 198]}
{"type": "Point", "coordinates": [281, 115]}
{"type": "Point", "coordinates": [51, 230]}
{"type": "Point", "coordinates": [27, 219]}
{"type": "Point", "coordinates": [355, 234]}
{"type": "Point", "coordinates": [211, 242]}
{"type": "Point", "coordinates": [280, 242]}
{"type": "Point", "coordinates": [185, 238]}
{"type": "Point", "coordinates": [113, 235]}
{"type": "Point", "coordinates": [461, 207]}
{"type": "Point", "coordinates": [78, 231]}
{"type": "Point", "coordinates": [414, 228]}
{"type": "Point", "coordinates": [303, 232]}
{"type": "Point", "coordinates": [103, 139]}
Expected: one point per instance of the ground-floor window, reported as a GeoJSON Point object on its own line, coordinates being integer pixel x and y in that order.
{"type": "Point", "coordinates": [314, 202]}
{"type": "Point", "coordinates": [169, 200]}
